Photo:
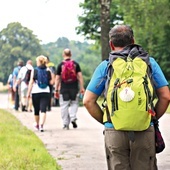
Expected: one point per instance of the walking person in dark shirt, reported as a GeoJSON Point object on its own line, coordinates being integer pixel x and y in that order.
{"type": "Point", "coordinates": [68, 83]}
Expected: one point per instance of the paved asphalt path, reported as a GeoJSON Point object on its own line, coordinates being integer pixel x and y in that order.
{"type": "Point", "coordinates": [81, 148]}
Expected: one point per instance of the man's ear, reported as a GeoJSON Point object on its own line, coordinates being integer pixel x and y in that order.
{"type": "Point", "coordinates": [133, 41]}
{"type": "Point", "coordinates": [111, 46]}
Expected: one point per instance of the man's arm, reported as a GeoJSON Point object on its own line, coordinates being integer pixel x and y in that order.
{"type": "Point", "coordinates": [17, 82]}
{"type": "Point", "coordinates": [52, 80]}
{"type": "Point", "coordinates": [90, 102]}
{"type": "Point", "coordinates": [31, 82]}
{"type": "Point", "coordinates": [81, 82]}
{"type": "Point", "coordinates": [163, 101]}
{"type": "Point", "coordinates": [57, 86]}
{"type": "Point", "coordinates": [57, 82]}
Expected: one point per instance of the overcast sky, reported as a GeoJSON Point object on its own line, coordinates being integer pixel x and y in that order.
{"type": "Point", "coordinates": [48, 19]}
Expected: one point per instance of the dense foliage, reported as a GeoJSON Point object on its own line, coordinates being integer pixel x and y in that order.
{"type": "Point", "coordinates": [85, 54]}
{"type": "Point", "coordinates": [96, 20]}
{"type": "Point", "coordinates": [150, 21]}
{"type": "Point", "coordinates": [16, 43]}
{"type": "Point", "coordinates": [19, 43]}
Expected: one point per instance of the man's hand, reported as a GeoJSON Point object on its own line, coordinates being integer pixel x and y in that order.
{"type": "Point", "coordinates": [56, 94]}
{"type": "Point", "coordinates": [14, 88]}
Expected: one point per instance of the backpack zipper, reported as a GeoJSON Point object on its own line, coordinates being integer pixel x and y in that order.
{"type": "Point", "coordinates": [146, 89]}
{"type": "Point", "coordinates": [114, 99]}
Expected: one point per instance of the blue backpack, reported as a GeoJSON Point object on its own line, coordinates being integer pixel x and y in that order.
{"type": "Point", "coordinates": [42, 77]}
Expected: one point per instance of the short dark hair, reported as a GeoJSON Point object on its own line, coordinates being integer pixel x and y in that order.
{"type": "Point", "coordinates": [48, 58]}
{"type": "Point", "coordinates": [121, 35]}
{"type": "Point", "coordinates": [20, 63]}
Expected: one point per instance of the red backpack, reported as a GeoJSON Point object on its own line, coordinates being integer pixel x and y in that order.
{"type": "Point", "coordinates": [68, 71]}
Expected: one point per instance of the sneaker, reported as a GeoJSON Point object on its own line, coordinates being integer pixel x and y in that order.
{"type": "Point", "coordinates": [74, 123]}
{"type": "Point", "coordinates": [36, 127]}
{"type": "Point", "coordinates": [66, 127]}
{"type": "Point", "coordinates": [41, 128]}
{"type": "Point", "coordinates": [49, 109]}
{"type": "Point", "coordinates": [22, 108]}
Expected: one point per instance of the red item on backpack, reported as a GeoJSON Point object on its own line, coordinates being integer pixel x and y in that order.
{"type": "Point", "coordinates": [68, 73]}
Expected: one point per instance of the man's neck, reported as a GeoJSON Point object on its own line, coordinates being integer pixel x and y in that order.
{"type": "Point", "coordinates": [65, 58]}
{"type": "Point", "coordinates": [118, 49]}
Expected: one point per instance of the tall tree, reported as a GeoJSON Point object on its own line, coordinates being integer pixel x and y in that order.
{"type": "Point", "coordinates": [16, 42]}
{"type": "Point", "coordinates": [96, 21]}
{"type": "Point", "coordinates": [150, 22]}
{"type": "Point", "coordinates": [105, 27]}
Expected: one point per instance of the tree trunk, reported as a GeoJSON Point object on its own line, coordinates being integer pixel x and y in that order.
{"type": "Point", "coordinates": [105, 27]}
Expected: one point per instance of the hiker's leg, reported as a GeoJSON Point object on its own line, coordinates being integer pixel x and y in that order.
{"type": "Point", "coordinates": [73, 93]}
{"type": "Point", "coordinates": [36, 105]}
{"type": "Point", "coordinates": [143, 150]}
{"type": "Point", "coordinates": [24, 98]}
{"type": "Point", "coordinates": [37, 119]}
{"type": "Point", "coordinates": [117, 149]}
{"type": "Point", "coordinates": [43, 106]}
{"type": "Point", "coordinates": [17, 99]}
{"type": "Point", "coordinates": [30, 104]}
{"type": "Point", "coordinates": [42, 118]}
{"type": "Point", "coordinates": [64, 106]}
{"type": "Point", "coordinates": [74, 108]}
{"type": "Point", "coordinates": [50, 98]}
{"type": "Point", "coordinates": [13, 95]}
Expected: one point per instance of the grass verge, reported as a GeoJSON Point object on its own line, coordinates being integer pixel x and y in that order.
{"type": "Point", "coordinates": [21, 149]}
{"type": "Point", "coordinates": [168, 110]}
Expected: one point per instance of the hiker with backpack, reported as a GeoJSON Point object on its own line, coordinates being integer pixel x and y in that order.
{"type": "Point", "coordinates": [68, 85]}
{"type": "Point", "coordinates": [39, 83]}
{"type": "Point", "coordinates": [23, 79]}
{"type": "Point", "coordinates": [17, 88]}
{"type": "Point", "coordinates": [128, 81]}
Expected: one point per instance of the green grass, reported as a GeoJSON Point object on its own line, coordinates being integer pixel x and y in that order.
{"type": "Point", "coordinates": [20, 148]}
{"type": "Point", "coordinates": [168, 110]}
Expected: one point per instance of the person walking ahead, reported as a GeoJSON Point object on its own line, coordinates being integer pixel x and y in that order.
{"type": "Point", "coordinates": [21, 80]}
{"type": "Point", "coordinates": [124, 150]}
{"type": "Point", "coordinates": [16, 89]}
{"type": "Point", "coordinates": [39, 87]}
{"type": "Point", "coordinates": [68, 83]}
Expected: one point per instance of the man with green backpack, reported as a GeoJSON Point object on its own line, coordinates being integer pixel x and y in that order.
{"type": "Point", "coordinates": [129, 81]}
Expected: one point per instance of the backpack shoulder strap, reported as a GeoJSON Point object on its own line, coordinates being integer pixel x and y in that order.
{"type": "Point", "coordinates": [36, 72]}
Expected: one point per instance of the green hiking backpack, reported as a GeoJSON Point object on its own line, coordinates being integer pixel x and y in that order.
{"type": "Point", "coordinates": [129, 91]}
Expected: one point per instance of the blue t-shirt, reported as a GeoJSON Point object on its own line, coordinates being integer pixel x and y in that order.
{"type": "Point", "coordinates": [15, 72]}
{"type": "Point", "coordinates": [97, 82]}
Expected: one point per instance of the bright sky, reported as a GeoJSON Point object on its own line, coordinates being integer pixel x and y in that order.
{"type": "Point", "coordinates": [48, 19]}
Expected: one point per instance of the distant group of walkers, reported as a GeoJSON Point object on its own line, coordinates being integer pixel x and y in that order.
{"type": "Point", "coordinates": [35, 88]}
